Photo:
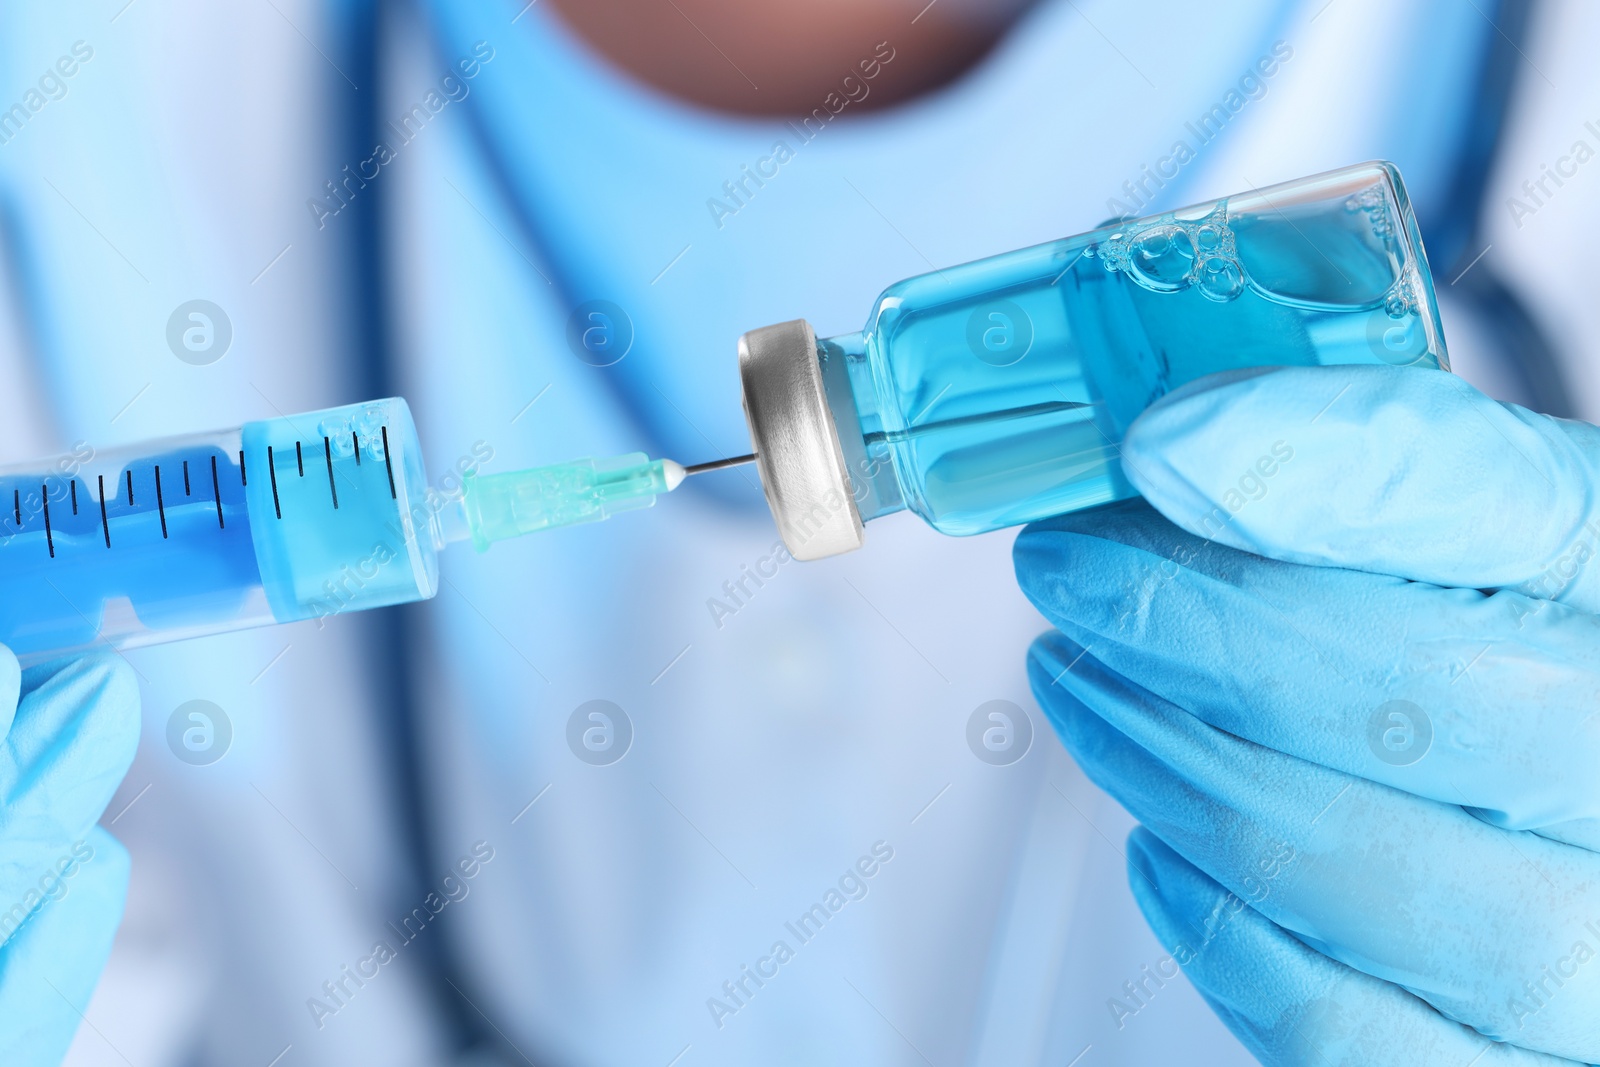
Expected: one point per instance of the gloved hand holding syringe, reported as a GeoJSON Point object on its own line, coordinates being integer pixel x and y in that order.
{"type": "Point", "coordinates": [981, 396]}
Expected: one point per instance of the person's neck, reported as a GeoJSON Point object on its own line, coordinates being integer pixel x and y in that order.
{"type": "Point", "coordinates": [784, 57]}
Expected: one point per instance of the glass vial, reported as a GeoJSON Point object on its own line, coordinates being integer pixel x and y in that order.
{"type": "Point", "coordinates": [995, 393]}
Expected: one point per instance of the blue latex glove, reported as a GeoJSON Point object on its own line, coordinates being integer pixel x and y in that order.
{"type": "Point", "coordinates": [63, 880]}
{"type": "Point", "coordinates": [1355, 702]}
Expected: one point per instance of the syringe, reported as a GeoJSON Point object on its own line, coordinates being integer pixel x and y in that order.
{"type": "Point", "coordinates": [279, 520]}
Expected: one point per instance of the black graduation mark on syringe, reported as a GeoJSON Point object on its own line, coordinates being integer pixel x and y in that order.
{"type": "Point", "coordinates": [130, 486]}
{"type": "Point", "coordinates": [272, 471]}
{"type": "Point", "coordinates": [387, 464]}
{"type": "Point", "coordinates": [216, 493]}
{"type": "Point", "coordinates": [186, 491]}
{"type": "Point", "coordinates": [327, 451]}
{"type": "Point", "coordinates": [242, 480]}
{"type": "Point", "coordinates": [74, 496]}
{"type": "Point", "coordinates": [105, 526]}
{"type": "Point", "coordinates": [161, 505]}
{"type": "Point", "coordinates": [49, 538]}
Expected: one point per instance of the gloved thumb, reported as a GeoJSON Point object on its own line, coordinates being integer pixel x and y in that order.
{"type": "Point", "coordinates": [1395, 470]}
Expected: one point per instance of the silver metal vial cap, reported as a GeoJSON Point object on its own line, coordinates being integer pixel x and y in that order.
{"type": "Point", "coordinates": [796, 442]}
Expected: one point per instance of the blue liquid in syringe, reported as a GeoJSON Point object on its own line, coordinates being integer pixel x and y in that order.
{"type": "Point", "coordinates": [307, 518]}
{"type": "Point", "coordinates": [168, 540]}
{"type": "Point", "coordinates": [334, 528]}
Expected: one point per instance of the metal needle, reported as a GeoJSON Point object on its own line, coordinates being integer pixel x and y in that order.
{"type": "Point", "coordinates": [719, 464]}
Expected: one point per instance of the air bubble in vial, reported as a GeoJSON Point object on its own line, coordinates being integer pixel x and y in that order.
{"type": "Point", "coordinates": [1162, 260]}
{"type": "Point", "coordinates": [1221, 279]}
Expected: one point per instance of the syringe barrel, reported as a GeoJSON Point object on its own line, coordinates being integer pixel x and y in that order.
{"type": "Point", "coordinates": [197, 534]}
{"type": "Point", "coordinates": [343, 521]}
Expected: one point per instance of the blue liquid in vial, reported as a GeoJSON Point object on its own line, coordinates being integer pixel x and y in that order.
{"type": "Point", "coordinates": [996, 393]}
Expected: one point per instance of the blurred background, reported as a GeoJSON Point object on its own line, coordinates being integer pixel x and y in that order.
{"type": "Point", "coordinates": [422, 198]}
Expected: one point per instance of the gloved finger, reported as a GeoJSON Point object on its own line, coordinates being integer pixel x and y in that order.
{"type": "Point", "coordinates": [1468, 917]}
{"type": "Point", "coordinates": [50, 964]}
{"type": "Point", "coordinates": [1288, 1003]}
{"type": "Point", "coordinates": [1422, 688]}
{"type": "Point", "coordinates": [1401, 471]}
{"type": "Point", "coordinates": [70, 744]}
{"type": "Point", "coordinates": [10, 688]}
